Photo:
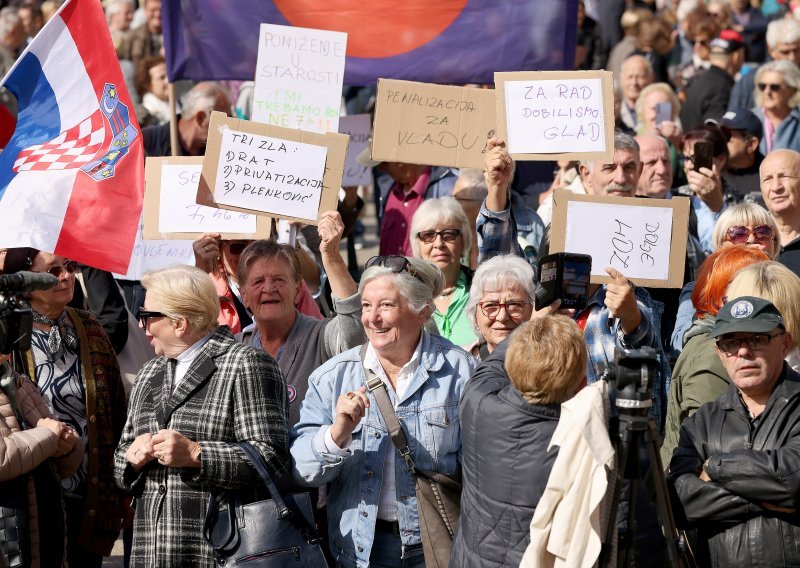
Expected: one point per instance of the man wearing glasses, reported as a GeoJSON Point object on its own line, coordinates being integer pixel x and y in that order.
{"type": "Point", "coordinates": [734, 473]}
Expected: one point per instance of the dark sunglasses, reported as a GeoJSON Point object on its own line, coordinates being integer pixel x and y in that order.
{"type": "Point", "coordinates": [448, 235]}
{"type": "Point", "coordinates": [145, 315]}
{"type": "Point", "coordinates": [703, 42]}
{"type": "Point", "coordinates": [740, 234]}
{"type": "Point", "coordinates": [236, 247]}
{"type": "Point", "coordinates": [69, 266]}
{"type": "Point", "coordinates": [771, 86]}
{"type": "Point", "coordinates": [396, 264]}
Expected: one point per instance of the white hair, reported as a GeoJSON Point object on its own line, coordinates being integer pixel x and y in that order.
{"type": "Point", "coordinates": [433, 212]}
{"type": "Point", "coordinates": [499, 272]}
{"type": "Point", "coordinates": [419, 293]}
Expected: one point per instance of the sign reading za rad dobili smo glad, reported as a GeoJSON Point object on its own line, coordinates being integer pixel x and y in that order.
{"type": "Point", "coordinates": [556, 115]}
{"type": "Point", "coordinates": [268, 170]}
{"type": "Point", "coordinates": [434, 125]}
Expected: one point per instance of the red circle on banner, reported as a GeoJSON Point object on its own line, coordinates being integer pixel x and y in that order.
{"type": "Point", "coordinates": [375, 28]}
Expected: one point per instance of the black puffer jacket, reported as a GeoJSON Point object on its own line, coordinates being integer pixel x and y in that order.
{"type": "Point", "coordinates": [748, 466]}
{"type": "Point", "coordinates": [505, 465]}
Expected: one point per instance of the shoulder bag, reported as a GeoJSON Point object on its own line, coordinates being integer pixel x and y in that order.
{"type": "Point", "coordinates": [272, 533]}
{"type": "Point", "coordinates": [438, 495]}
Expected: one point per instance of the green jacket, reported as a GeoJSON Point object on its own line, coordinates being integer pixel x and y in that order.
{"type": "Point", "coordinates": [698, 377]}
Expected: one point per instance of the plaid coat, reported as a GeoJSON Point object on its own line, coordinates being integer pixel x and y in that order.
{"type": "Point", "coordinates": [231, 393]}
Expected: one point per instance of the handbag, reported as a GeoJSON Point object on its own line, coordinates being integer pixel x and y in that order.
{"type": "Point", "coordinates": [438, 495]}
{"type": "Point", "coordinates": [272, 533]}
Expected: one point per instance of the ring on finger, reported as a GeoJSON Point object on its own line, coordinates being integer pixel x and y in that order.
{"type": "Point", "coordinates": [351, 395]}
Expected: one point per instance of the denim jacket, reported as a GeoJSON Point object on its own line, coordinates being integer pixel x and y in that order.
{"type": "Point", "coordinates": [429, 414]}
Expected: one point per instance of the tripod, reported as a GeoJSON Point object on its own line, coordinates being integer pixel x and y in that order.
{"type": "Point", "coordinates": [636, 425]}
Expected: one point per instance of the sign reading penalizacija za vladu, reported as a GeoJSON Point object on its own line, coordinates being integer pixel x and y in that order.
{"type": "Point", "coordinates": [298, 80]}
{"type": "Point", "coordinates": [556, 115]}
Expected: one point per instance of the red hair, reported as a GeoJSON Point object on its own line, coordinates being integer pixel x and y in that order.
{"type": "Point", "coordinates": [716, 273]}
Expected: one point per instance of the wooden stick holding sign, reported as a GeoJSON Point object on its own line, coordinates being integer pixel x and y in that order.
{"type": "Point", "coordinates": [171, 211]}
{"type": "Point", "coordinates": [556, 115]}
{"type": "Point", "coordinates": [644, 239]}
{"type": "Point", "coordinates": [269, 170]}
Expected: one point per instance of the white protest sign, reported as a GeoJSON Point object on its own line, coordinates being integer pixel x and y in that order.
{"type": "Point", "coordinates": [152, 255]}
{"type": "Point", "coordinates": [358, 126]}
{"type": "Point", "coordinates": [634, 240]}
{"type": "Point", "coordinates": [298, 80]}
{"type": "Point", "coordinates": [556, 115]}
{"type": "Point", "coordinates": [179, 213]}
{"type": "Point", "coordinates": [271, 175]}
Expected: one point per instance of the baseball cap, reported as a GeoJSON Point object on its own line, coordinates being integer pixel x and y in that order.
{"type": "Point", "coordinates": [727, 41]}
{"type": "Point", "coordinates": [747, 313]}
{"type": "Point", "coordinates": [742, 119]}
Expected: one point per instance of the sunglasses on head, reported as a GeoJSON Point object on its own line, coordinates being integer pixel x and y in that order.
{"type": "Point", "coordinates": [739, 234]}
{"type": "Point", "coordinates": [56, 270]}
{"type": "Point", "coordinates": [771, 86]}
{"type": "Point", "coordinates": [394, 263]}
{"type": "Point", "coordinates": [236, 247]}
{"type": "Point", "coordinates": [448, 235]}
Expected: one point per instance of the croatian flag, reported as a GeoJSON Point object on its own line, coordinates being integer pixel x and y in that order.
{"type": "Point", "coordinates": [72, 175]}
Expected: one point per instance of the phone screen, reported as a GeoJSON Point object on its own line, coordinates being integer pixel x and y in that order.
{"type": "Point", "coordinates": [663, 112]}
{"type": "Point", "coordinates": [703, 155]}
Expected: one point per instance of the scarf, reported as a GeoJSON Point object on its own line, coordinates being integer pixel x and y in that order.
{"type": "Point", "coordinates": [61, 332]}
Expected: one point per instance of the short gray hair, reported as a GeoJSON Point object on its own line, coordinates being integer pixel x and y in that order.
{"type": "Point", "coordinates": [499, 272]}
{"type": "Point", "coordinates": [475, 187]}
{"type": "Point", "coordinates": [782, 30]}
{"type": "Point", "coordinates": [201, 98]}
{"type": "Point", "coordinates": [183, 291]}
{"type": "Point", "coordinates": [433, 212]}
{"type": "Point", "coordinates": [419, 293]}
{"type": "Point", "coordinates": [115, 6]}
{"type": "Point", "coordinates": [9, 19]}
{"type": "Point", "coordinates": [790, 74]}
{"type": "Point", "coordinates": [622, 141]}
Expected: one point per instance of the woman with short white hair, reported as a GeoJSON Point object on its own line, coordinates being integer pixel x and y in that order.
{"type": "Point", "coordinates": [441, 234]}
{"type": "Point", "coordinates": [189, 408]}
{"type": "Point", "coordinates": [776, 96]}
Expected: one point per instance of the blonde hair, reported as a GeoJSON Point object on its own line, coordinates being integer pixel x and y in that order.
{"type": "Point", "coordinates": [657, 87]}
{"type": "Point", "coordinates": [771, 281]}
{"type": "Point", "coordinates": [547, 359]}
{"type": "Point", "coordinates": [744, 214]}
{"type": "Point", "coordinates": [184, 292]}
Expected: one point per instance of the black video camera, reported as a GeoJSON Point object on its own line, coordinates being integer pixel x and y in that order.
{"type": "Point", "coordinates": [633, 372]}
{"type": "Point", "coordinates": [16, 320]}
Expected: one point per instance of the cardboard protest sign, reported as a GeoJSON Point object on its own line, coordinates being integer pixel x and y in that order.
{"type": "Point", "coordinates": [155, 254]}
{"type": "Point", "coordinates": [434, 125]}
{"type": "Point", "coordinates": [269, 170]}
{"type": "Point", "coordinates": [358, 127]}
{"type": "Point", "coordinates": [298, 80]}
{"type": "Point", "coordinates": [171, 210]}
{"type": "Point", "coordinates": [556, 115]}
{"type": "Point", "coordinates": [645, 239]}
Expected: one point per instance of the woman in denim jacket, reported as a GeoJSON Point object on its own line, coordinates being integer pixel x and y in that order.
{"type": "Point", "coordinates": [342, 439]}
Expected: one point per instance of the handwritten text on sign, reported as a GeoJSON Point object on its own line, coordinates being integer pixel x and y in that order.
{"type": "Point", "coordinates": [298, 81]}
{"type": "Point", "coordinates": [552, 116]}
{"type": "Point", "coordinates": [358, 126]}
{"type": "Point", "coordinates": [271, 175]}
{"type": "Point", "coordinates": [635, 240]}
{"type": "Point", "coordinates": [179, 212]}
{"type": "Point", "coordinates": [153, 255]}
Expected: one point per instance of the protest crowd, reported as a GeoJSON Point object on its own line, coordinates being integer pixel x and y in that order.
{"type": "Point", "coordinates": [423, 406]}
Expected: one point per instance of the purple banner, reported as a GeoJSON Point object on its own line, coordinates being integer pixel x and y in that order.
{"type": "Point", "coordinates": [448, 41]}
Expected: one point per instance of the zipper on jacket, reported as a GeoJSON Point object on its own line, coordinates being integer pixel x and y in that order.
{"type": "Point", "coordinates": [268, 553]}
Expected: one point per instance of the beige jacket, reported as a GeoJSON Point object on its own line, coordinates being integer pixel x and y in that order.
{"type": "Point", "coordinates": [21, 451]}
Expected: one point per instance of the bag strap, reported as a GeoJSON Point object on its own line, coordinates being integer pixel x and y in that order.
{"type": "Point", "coordinates": [386, 408]}
{"type": "Point", "coordinates": [257, 461]}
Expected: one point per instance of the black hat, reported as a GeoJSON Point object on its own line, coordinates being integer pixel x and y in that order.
{"type": "Point", "coordinates": [747, 313]}
{"type": "Point", "coordinates": [742, 119]}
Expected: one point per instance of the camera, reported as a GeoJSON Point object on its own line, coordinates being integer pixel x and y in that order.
{"type": "Point", "coordinates": [633, 373]}
{"type": "Point", "coordinates": [16, 319]}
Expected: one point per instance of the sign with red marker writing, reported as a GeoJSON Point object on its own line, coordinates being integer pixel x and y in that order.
{"type": "Point", "coordinates": [644, 239]}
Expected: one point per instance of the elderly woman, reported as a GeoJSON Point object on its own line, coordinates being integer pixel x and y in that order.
{"type": "Point", "coordinates": [743, 223]}
{"type": "Point", "coordinates": [189, 406]}
{"type": "Point", "coordinates": [774, 282]}
{"type": "Point", "coordinates": [271, 280]}
{"type": "Point", "coordinates": [501, 298]}
{"type": "Point", "coordinates": [152, 85]}
{"type": "Point", "coordinates": [34, 446]}
{"type": "Point", "coordinates": [441, 234]}
{"type": "Point", "coordinates": [341, 439]}
{"type": "Point", "coordinates": [699, 376]}
{"type": "Point", "coordinates": [777, 95]}
{"type": "Point", "coordinates": [546, 362]}
{"type": "Point", "coordinates": [73, 364]}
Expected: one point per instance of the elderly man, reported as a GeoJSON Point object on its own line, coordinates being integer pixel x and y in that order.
{"type": "Point", "coordinates": [780, 186]}
{"type": "Point", "coordinates": [147, 39]}
{"type": "Point", "coordinates": [635, 75]}
{"type": "Point", "coordinates": [734, 473]}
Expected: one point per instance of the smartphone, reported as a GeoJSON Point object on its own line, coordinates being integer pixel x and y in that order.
{"type": "Point", "coordinates": [564, 276]}
{"type": "Point", "coordinates": [703, 155]}
{"type": "Point", "coordinates": [663, 112]}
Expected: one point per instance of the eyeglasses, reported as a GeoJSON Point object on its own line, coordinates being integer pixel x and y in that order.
{"type": "Point", "coordinates": [740, 234]}
{"type": "Point", "coordinates": [513, 309]}
{"type": "Point", "coordinates": [145, 315]}
{"type": "Point", "coordinates": [236, 247]}
{"type": "Point", "coordinates": [731, 345]}
{"type": "Point", "coordinates": [396, 264]}
{"type": "Point", "coordinates": [771, 86]}
{"type": "Point", "coordinates": [448, 235]}
{"type": "Point", "coordinates": [686, 158]}
{"type": "Point", "coordinates": [68, 266]}
{"type": "Point", "coordinates": [703, 42]}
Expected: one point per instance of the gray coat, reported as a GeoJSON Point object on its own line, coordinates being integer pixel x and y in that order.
{"type": "Point", "coordinates": [231, 393]}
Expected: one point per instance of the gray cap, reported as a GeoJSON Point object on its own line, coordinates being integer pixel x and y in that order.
{"type": "Point", "coordinates": [749, 314]}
